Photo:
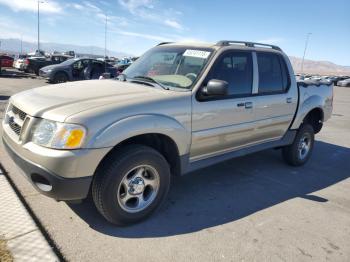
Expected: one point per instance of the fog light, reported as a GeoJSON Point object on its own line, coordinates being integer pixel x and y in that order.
{"type": "Point", "coordinates": [41, 182]}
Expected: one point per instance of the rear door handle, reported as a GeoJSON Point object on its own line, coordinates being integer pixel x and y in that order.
{"type": "Point", "coordinates": [240, 104]}
{"type": "Point", "coordinates": [248, 104]}
{"type": "Point", "coordinates": [289, 100]}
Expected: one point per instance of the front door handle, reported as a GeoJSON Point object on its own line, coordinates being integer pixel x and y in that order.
{"type": "Point", "coordinates": [289, 100]}
{"type": "Point", "coordinates": [248, 104]}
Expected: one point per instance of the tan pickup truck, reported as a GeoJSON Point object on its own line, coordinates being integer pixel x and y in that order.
{"type": "Point", "coordinates": [178, 108]}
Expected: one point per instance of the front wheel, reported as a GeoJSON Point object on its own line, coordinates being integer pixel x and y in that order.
{"type": "Point", "coordinates": [299, 152]}
{"type": "Point", "coordinates": [131, 184]}
{"type": "Point", "coordinates": [60, 77]}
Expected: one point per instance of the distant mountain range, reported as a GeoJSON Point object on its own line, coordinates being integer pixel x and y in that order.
{"type": "Point", "coordinates": [310, 66]}
{"type": "Point", "coordinates": [319, 67]}
{"type": "Point", "coordinates": [14, 46]}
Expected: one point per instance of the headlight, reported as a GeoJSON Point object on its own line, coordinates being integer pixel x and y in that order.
{"type": "Point", "coordinates": [48, 70]}
{"type": "Point", "coordinates": [58, 135]}
{"type": "Point", "coordinates": [7, 107]}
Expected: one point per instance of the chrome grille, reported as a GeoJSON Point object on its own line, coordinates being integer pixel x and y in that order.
{"type": "Point", "coordinates": [15, 127]}
{"type": "Point", "coordinates": [19, 112]}
{"type": "Point", "coordinates": [15, 119]}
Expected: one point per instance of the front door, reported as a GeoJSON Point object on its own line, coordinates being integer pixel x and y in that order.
{"type": "Point", "coordinates": [78, 69]}
{"type": "Point", "coordinates": [226, 123]}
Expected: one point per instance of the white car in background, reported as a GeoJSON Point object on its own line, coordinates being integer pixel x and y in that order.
{"type": "Point", "coordinates": [317, 78]}
{"type": "Point", "coordinates": [19, 62]}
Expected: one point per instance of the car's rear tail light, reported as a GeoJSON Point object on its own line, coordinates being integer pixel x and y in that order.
{"type": "Point", "coordinates": [26, 62]}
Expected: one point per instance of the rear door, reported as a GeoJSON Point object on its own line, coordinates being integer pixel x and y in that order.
{"type": "Point", "coordinates": [275, 102]}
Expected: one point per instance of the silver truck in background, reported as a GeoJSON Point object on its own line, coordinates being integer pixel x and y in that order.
{"type": "Point", "coordinates": [178, 108]}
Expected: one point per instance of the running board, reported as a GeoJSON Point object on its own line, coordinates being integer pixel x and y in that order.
{"type": "Point", "coordinates": [287, 139]}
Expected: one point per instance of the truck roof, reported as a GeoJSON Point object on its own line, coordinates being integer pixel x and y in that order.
{"type": "Point", "coordinates": [225, 43]}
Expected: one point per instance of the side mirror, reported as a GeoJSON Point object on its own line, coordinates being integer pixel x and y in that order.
{"type": "Point", "coordinates": [215, 88]}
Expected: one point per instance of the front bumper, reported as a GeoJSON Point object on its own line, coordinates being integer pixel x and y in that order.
{"type": "Point", "coordinates": [48, 183]}
{"type": "Point", "coordinates": [44, 74]}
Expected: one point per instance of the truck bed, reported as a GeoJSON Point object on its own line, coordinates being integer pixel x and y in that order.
{"type": "Point", "coordinates": [311, 93]}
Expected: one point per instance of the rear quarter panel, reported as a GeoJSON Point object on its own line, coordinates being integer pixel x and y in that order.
{"type": "Point", "coordinates": [312, 97]}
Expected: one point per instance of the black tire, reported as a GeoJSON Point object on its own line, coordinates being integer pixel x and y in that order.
{"type": "Point", "coordinates": [29, 70]}
{"type": "Point", "coordinates": [60, 77]}
{"type": "Point", "coordinates": [108, 180]}
{"type": "Point", "coordinates": [292, 154]}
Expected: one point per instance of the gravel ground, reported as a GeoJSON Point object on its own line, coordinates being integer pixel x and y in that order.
{"type": "Point", "coordinates": [5, 255]}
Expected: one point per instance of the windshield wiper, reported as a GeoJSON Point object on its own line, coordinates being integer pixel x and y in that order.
{"type": "Point", "coordinates": [150, 79]}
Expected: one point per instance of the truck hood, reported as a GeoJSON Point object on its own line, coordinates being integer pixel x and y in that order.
{"type": "Point", "coordinates": [57, 102]}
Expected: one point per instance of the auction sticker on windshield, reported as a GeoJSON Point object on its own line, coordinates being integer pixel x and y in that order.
{"type": "Point", "coordinates": [197, 53]}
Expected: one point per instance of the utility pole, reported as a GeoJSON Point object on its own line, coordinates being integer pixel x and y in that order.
{"type": "Point", "coordinates": [38, 26]}
{"type": "Point", "coordinates": [306, 43]}
{"type": "Point", "coordinates": [21, 44]}
{"type": "Point", "coordinates": [39, 2]}
{"type": "Point", "coordinates": [106, 43]}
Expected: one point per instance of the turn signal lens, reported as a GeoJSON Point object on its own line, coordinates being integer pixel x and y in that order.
{"type": "Point", "coordinates": [75, 138]}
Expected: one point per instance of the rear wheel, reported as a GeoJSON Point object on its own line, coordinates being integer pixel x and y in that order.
{"type": "Point", "coordinates": [60, 78]}
{"type": "Point", "coordinates": [299, 152]}
{"type": "Point", "coordinates": [29, 70]}
{"type": "Point", "coordinates": [131, 184]}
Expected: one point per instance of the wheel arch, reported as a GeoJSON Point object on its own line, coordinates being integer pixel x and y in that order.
{"type": "Point", "coordinates": [315, 118]}
{"type": "Point", "coordinates": [161, 133]}
{"type": "Point", "coordinates": [311, 111]}
{"type": "Point", "coordinates": [61, 72]}
{"type": "Point", "coordinates": [160, 142]}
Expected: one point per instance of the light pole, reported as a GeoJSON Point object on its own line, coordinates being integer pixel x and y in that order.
{"type": "Point", "coordinates": [21, 44]}
{"type": "Point", "coordinates": [106, 43]}
{"type": "Point", "coordinates": [39, 2]}
{"type": "Point", "coordinates": [306, 43]}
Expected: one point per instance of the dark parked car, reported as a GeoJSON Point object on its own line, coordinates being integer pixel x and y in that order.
{"type": "Point", "coordinates": [345, 82]}
{"type": "Point", "coordinates": [6, 61]}
{"type": "Point", "coordinates": [77, 69]}
{"type": "Point", "coordinates": [70, 53]}
{"type": "Point", "coordinates": [33, 65]}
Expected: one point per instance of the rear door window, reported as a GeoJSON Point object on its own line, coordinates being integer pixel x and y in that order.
{"type": "Point", "coordinates": [273, 77]}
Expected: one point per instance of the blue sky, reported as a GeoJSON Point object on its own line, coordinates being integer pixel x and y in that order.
{"type": "Point", "coordinates": [136, 25]}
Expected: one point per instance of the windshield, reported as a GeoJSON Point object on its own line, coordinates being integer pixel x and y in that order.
{"type": "Point", "coordinates": [69, 61]}
{"type": "Point", "coordinates": [170, 66]}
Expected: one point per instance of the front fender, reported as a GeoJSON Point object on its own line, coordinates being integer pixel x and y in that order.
{"type": "Point", "coordinates": [140, 125]}
{"type": "Point", "coordinates": [309, 103]}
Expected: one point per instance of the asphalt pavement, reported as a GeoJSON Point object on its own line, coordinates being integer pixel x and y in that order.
{"type": "Point", "coordinates": [253, 208]}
